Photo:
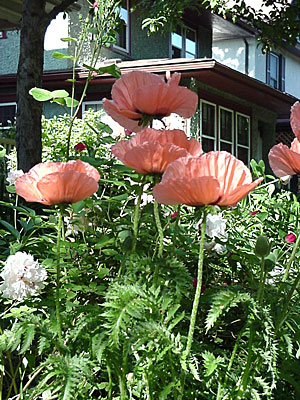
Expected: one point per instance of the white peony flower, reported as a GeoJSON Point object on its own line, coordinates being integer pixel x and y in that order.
{"type": "Point", "coordinates": [13, 175]}
{"type": "Point", "coordinates": [22, 276]}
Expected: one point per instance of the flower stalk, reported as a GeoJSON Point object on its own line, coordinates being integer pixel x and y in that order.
{"type": "Point", "coordinates": [58, 274]}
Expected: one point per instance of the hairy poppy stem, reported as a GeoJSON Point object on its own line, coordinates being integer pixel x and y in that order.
{"type": "Point", "coordinates": [57, 299]}
{"type": "Point", "coordinates": [136, 220]}
{"type": "Point", "coordinates": [196, 300]}
{"type": "Point", "coordinates": [158, 222]}
{"type": "Point", "coordinates": [176, 226]}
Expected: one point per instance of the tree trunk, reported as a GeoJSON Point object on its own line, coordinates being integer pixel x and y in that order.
{"type": "Point", "coordinates": [30, 72]}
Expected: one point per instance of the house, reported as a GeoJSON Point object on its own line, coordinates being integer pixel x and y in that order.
{"type": "Point", "coordinates": [278, 68]}
{"type": "Point", "coordinates": [237, 111]}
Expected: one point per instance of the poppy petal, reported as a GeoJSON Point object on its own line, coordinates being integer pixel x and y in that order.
{"type": "Point", "coordinates": [192, 192]}
{"type": "Point", "coordinates": [238, 194]}
{"type": "Point", "coordinates": [113, 111]}
{"type": "Point", "coordinates": [152, 157]}
{"type": "Point", "coordinates": [295, 119]}
{"type": "Point", "coordinates": [284, 161]}
{"type": "Point", "coordinates": [66, 187]}
{"type": "Point", "coordinates": [26, 187]}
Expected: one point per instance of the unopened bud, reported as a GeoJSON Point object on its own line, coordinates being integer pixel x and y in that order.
{"type": "Point", "coordinates": [262, 246]}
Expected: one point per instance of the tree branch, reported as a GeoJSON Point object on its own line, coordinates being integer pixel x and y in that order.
{"type": "Point", "coordinates": [59, 8]}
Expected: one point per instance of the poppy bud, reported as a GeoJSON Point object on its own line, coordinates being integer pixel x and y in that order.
{"type": "Point", "coordinates": [262, 246]}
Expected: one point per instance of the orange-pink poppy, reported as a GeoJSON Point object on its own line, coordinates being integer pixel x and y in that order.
{"type": "Point", "coordinates": [214, 178]}
{"type": "Point", "coordinates": [151, 150]}
{"type": "Point", "coordinates": [139, 92]}
{"type": "Point", "coordinates": [284, 160]}
{"type": "Point", "coordinates": [295, 119]}
{"type": "Point", "coordinates": [58, 182]}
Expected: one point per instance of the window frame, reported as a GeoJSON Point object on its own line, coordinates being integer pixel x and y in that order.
{"type": "Point", "coordinates": [127, 49]}
{"type": "Point", "coordinates": [183, 50]}
{"type": "Point", "coordinates": [8, 104]}
{"type": "Point", "coordinates": [202, 101]}
{"type": "Point", "coordinates": [217, 128]}
{"type": "Point", "coordinates": [88, 102]}
{"type": "Point", "coordinates": [237, 145]}
{"type": "Point", "coordinates": [281, 70]}
{"type": "Point", "coordinates": [220, 108]}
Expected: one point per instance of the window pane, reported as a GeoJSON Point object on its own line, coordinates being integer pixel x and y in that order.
{"type": "Point", "coordinates": [122, 34]}
{"type": "Point", "coordinates": [7, 113]}
{"type": "Point", "coordinates": [208, 145]}
{"type": "Point", "coordinates": [190, 42]}
{"type": "Point", "coordinates": [93, 106]}
{"type": "Point", "coordinates": [176, 53]}
{"type": "Point", "coordinates": [176, 40]}
{"type": "Point", "coordinates": [243, 126]}
{"type": "Point", "coordinates": [226, 125]}
{"type": "Point", "coordinates": [208, 119]}
{"type": "Point", "coordinates": [226, 147]}
{"type": "Point", "coordinates": [274, 70]}
{"type": "Point", "coordinates": [243, 154]}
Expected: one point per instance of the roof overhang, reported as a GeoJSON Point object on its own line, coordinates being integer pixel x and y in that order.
{"type": "Point", "coordinates": [11, 12]}
{"type": "Point", "coordinates": [204, 70]}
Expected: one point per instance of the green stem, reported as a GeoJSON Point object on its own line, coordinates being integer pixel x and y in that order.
{"type": "Point", "coordinates": [285, 276]}
{"type": "Point", "coordinates": [15, 212]}
{"type": "Point", "coordinates": [245, 376]}
{"type": "Point", "coordinates": [287, 301]}
{"type": "Point", "coordinates": [196, 300]}
{"type": "Point", "coordinates": [198, 288]}
{"type": "Point", "coordinates": [159, 228]}
{"type": "Point", "coordinates": [123, 395]}
{"type": "Point", "coordinates": [109, 383]}
{"type": "Point", "coordinates": [58, 273]}
{"type": "Point", "coordinates": [260, 291]}
{"type": "Point", "coordinates": [176, 226]}
{"type": "Point", "coordinates": [136, 220]}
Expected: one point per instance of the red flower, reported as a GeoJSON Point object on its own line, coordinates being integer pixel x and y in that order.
{"type": "Point", "coordinates": [195, 282]}
{"type": "Point", "coordinates": [80, 146]}
{"type": "Point", "coordinates": [174, 215]}
{"type": "Point", "coordinates": [290, 238]}
{"type": "Point", "coordinates": [151, 150]}
{"type": "Point", "coordinates": [139, 92]}
{"type": "Point", "coordinates": [95, 5]}
{"type": "Point", "coordinates": [128, 132]}
{"type": "Point", "coordinates": [253, 213]}
{"type": "Point", "coordinates": [214, 178]}
{"type": "Point", "coordinates": [58, 182]}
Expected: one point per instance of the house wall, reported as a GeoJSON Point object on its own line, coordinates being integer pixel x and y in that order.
{"type": "Point", "coordinates": [232, 54]}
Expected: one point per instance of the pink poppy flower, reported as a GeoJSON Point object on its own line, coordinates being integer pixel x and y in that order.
{"type": "Point", "coordinates": [151, 150]}
{"type": "Point", "coordinates": [216, 177]}
{"type": "Point", "coordinates": [295, 119]}
{"type": "Point", "coordinates": [285, 161]}
{"type": "Point", "coordinates": [290, 238]}
{"type": "Point", "coordinates": [80, 146]}
{"type": "Point", "coordinates": [140, 92]}
{"type": "Point", "coordinates": [58, 182]}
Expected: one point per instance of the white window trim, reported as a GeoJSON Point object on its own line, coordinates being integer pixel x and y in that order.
{"type": "Point", "coordinates": [237, 145]}
{"type": "Point", "coordinates": [232, 129]}
{"type": "Point", "coordinates": [13, 103]}
{"type": "Point", "coordinates": [126, 50]}
{"type": "Point", "coordinates": [215, 123]}
{"type": "Point", "coordinates": [85, 105]}
{"type": "Point", "coordinates": [183, 38]}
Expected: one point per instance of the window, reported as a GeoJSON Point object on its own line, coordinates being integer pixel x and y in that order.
{"type": "Point", "coordinates": [184, 43]}
{"type": "Point", "coordinates": [95, 106]}
{"type": "Point", "coordinates": [276, 71]}
{"type": "Point", "coordinates": [122, 37]}
{"type": "Point", "coordinates": [3, 35]}
{"type": "Point", "coordinates": [224, 129]}
{"type": "Point", "coordinates": [7, 113]}
{"type": "Point", "coordinates": [57, 29]}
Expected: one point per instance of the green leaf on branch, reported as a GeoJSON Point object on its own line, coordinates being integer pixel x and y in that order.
{"type": "Point", "coordinates": [11, 229]}
{"type": "Point", "coordinates": [40, 94]}
{"type": "Point", "coordinates": [61, 56]}
{"type": "Point", "coordinates": [68, 101]}
{"type": "Point", "coordinates": [59, 93]}
{"type": "Point", "coordinates": [68, 39]}
{"type": "Point", "coordinates": [109, 69]}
